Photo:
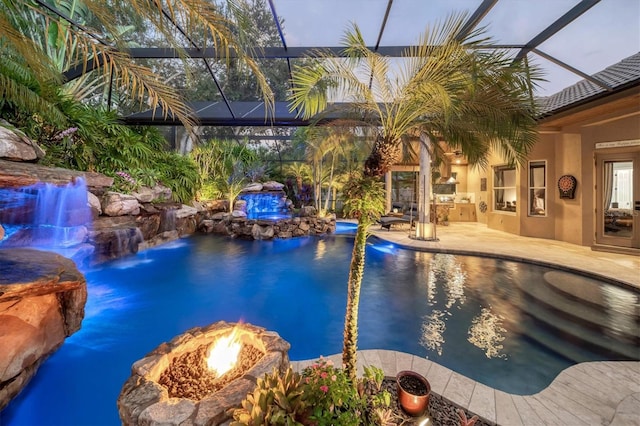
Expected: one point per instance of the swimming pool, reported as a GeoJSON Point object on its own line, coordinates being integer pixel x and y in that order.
{"type": "Point", "coordinates": [471, 314]}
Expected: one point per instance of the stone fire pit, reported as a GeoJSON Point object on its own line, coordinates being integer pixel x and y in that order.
{"type": "Point", "coordinates": [145, 401]}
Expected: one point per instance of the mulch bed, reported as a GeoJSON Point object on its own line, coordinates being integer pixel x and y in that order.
{"type": "Point", "coordinates": [442, 412]}
{"type": "Point", "coordinates": [189, 377]}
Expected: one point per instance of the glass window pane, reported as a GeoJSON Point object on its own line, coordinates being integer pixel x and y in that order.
{"type": "Point", "coordinates": [504, 189]}
{"type": "Point", "coordinates": [537, 188]}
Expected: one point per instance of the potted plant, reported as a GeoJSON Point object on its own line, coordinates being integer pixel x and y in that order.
{"type": "Point", "coordinates": [413, 392]}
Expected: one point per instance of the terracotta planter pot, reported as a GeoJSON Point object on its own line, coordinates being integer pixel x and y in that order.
{"type": "Point", "coordinates": [413, 392]}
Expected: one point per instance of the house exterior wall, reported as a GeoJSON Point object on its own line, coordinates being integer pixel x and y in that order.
{"type": "Point", "coordinates": [569, 218]}
{"type": "Point", "coordinates": [568, 146]}
{"type": "Point", "coordinates": [474, 187]}
{"type": "Point", "coordinates": [624, 128]}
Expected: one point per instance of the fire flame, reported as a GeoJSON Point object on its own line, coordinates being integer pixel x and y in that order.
{"type": "Point", "coordinates": [224, 352]}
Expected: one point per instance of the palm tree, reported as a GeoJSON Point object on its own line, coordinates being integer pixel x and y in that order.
{"type": "Point", "coordinates": [299, 171]}
{"type": "Point", "coordinates": [446, 88]}
{"type": "Point", "coordinates": [326, 145]}
{"type": "Point", "coordinates": [24, 24]}
{"type": "Point", "coordinates": [222, 166]}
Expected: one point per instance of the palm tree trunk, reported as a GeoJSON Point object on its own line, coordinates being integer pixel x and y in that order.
{"type": "Point", "coordinates": [356, 272]}
{"type": "Point", "coordinates": [328, 196]}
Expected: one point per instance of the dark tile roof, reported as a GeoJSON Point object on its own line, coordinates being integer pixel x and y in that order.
{"type": "Point", "coordinates": [619, 76]}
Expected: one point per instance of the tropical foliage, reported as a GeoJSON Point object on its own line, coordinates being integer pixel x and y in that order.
{"type": "Point", "coordinates": [225, 167]}
{"type": "Point", "coordinates": [445, 88]}
{"type": "Point", "coordinates": [43, 38]}
{"type": "Point", "coordinates": [41, 41]}
{"type": "Point", "coordinates": [322, 394]}
{"type": "Point", "coordinates": [299, 193]}
{"type": "Point", "coordinates": [330, 152]}
{"type": "Point", "coordinates": [98, 142]}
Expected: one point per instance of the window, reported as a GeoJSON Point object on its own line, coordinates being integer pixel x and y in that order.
{"type": "Point", "coordinates": [622, 184]}
{"type": "Point", "coordinates": [403, 190]}
{"type": "Point", "coordinates": [504, 188]}
{"type": "Point", "coordinates": [537, 188]}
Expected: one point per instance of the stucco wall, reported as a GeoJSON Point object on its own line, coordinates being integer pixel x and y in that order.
{"type": "Point", "coordinates": [569, 214]}
{"type": "Point", "coordinates": [474, 174]}
{"type": "Point", "coordinates": [573, 140]}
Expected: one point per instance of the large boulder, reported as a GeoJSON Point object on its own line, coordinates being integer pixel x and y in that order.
{"type": "Point", "coordinates": [16, 146]}
{"type": "Point", "coordinates": [42, 299]}
{"type": "Point", "coordinates": [15, 174]}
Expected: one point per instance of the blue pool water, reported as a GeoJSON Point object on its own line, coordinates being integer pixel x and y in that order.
{"type": "Point", "coordinates": [431, 305]}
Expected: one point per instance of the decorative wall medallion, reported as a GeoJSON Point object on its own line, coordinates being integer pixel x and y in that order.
{"type": "Point", "coordinates": [567, 186]}
{"type": "Point", "coordinates": [482, 206]}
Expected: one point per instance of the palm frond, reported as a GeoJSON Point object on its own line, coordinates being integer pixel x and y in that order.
{"type": "Point", "coordinates": [79, 44]}
{"type": "Point", "coordinates": [19, 88]}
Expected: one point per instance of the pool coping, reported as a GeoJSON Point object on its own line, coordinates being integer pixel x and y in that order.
{"type": "Point", "coordinates": [588, 393]}
{"type": "Point", "coordinates": [476, 239]}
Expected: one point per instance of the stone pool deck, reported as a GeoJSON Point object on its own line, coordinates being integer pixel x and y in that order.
{"type": "Point", "coordinates": [590, 393]}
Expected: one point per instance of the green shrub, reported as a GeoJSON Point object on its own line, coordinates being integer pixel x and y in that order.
{"type": "Point", "coordinates": [179, 173]}
{"type": "Point", "coordinates": [331, 394]}
{"type": "Point", "coordinates": [320, 395]}
{"type": "Point", "coordinates": [276, 400]}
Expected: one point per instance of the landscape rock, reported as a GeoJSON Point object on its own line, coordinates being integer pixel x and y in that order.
{"type": "Point", "coordinates": [117, 204]}
{"type": "Point", "coordinates": [272, 186]}
{"type": "Point", "coordinates": [15, 174]}
{"type": "Point", "coordinates": [262, 232]}
{"type": "Point", "coordinates": [161, 193]}
{"type": "Point", "coordinates": [42, 299]}
{"type": "Point", "coordinates": [16, 146]}
{"type": "Point", "coordinates": [253, 187]}
{"type": "Point", "coordinates": [185, 211]}
{"type": "Point", "coordinates": [94, 204]}
{"type": "Point", "coordinates": [144, 194]}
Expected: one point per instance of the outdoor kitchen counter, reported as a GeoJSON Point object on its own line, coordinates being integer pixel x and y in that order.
{"type": "Point", "coordinates": [463, 212]}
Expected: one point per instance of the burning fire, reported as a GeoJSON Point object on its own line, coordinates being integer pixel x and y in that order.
{"type": "Point", "coordinates": [224, 352]}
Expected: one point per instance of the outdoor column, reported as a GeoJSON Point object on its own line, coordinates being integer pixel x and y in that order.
{"type": "Point", "coordinates": [388, 187]}
{"type": "Point", "coordinates": [425, 230]}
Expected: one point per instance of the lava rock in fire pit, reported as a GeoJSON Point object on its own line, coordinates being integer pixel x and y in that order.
{"type": "Point", "coordinates": [188, 376]}
{"type": "Point", "coordinates": [171, 385]}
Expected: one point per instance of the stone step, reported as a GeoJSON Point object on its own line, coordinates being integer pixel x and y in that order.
{"type": "Point", "coordinates": [589, 338]}
{"type": "Point", "coordinates": [587, 318]}
{"type": "Point", "coordinates": [578, 300]}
